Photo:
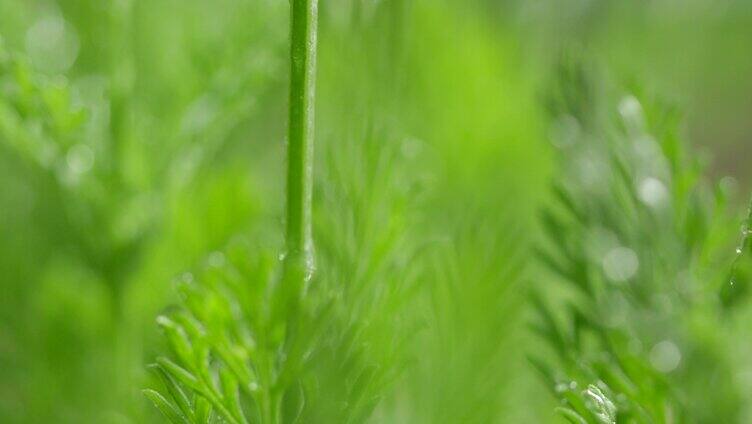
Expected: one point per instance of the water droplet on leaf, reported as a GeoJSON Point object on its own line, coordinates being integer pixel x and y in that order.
{"type": "Point", "coordinates": [52, 44]}
{"type": "Point", "coordinates": [80, 158]}
{"type": "Point", "coordinates": [620, 264]}
{"type": "Point", "coordinates": [652, 192]}
{"type": "Point", "coordinates": [665, 356]}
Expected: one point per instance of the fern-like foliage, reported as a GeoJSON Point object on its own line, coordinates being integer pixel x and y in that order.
{"type": "Point", "coordinates": [57, 132]}
{"type": "Point", "coordinates": [249, 346]}
{"type": "Point", "coordinates": [37, 117]}
{"type": "Point", "coordinates": [639, 243]}
{"type": "Point", "coordinates": [238, 343]}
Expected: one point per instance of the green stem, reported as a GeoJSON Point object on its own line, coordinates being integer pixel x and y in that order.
{"type": "Point", "coordinates": [304, 17]}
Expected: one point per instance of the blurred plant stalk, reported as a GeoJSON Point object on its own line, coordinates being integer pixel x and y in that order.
{"type": "Point", "coordinates": [299, 241]}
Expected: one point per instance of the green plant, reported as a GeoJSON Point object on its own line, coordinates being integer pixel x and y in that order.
{"type": "Point", "coordinates": [140, 139]}
{"type": "Point", "coordinates": [266, 340]}
{"type": "Point", "coordinates": [270, 324]}
{"type": "Point", "coordinates": [641, 241]}
{"type": "Point", "coordinates": [246, 349]}
{"type": "Point", "coordinates": [97, 207]}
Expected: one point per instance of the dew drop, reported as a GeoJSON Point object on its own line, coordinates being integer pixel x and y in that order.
{"type": "Point", "coordinates": [652, 192]}
{"type": "Point", "coordinates": [620, 264]}
{"type": "Point", "coordinates": [80, 158]}
{"type": "Point", "coordinates": [164, 321]}
{"type": "Point", "coordinates": [604, 408]}
{"type": "Point", "coordinates": [665, 356]}
{"type": "Point", "coordinates": [630, 110]}
{"type": "Point", "coordinates": [52, 44]}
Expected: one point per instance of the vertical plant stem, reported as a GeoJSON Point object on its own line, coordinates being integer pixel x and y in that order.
{"type": "Point", "coordinates": [304, 18]}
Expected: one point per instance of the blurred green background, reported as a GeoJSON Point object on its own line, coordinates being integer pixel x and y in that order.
{"type": "Point", "coordinates": [138, 136]}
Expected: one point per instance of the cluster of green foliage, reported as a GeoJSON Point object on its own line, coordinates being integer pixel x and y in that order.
{"type": "Point", "coordinates": [644, 244]}
{"type": "Point", "coordinates": [143, 138]}
{"type": "Point", "coordinates": [250, 344]}
{"type": "Point", "coordinates": [95, 195]}
{"type": "Point", "coordinates": [380, 299]}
